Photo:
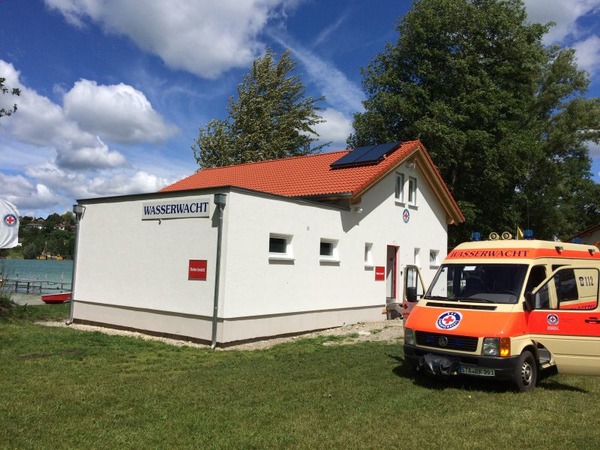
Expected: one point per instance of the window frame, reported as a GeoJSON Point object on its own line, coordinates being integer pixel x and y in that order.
{"type": "Point", "coordinates": [332, 258]}
{"type": "Point", "coordinates": [412, 191]}
{"type": "Point", "coordinates": [288, 254]}
{"type": "Point", "coordinates": [435, 262]}
{"type": "Point", "coordinates": [368, 255]}
{"type": "Point", "coordinates": [399, 188]}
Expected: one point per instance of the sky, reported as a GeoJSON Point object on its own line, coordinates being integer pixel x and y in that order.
{"type": "Point", "coordinates": [113, 92]}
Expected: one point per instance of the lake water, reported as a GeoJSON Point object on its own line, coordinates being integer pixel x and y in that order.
{"type": "Point", "coordinates": [46, 270]}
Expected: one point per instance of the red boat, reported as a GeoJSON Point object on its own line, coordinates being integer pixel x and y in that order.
{"type": "Point", "coordinates": [56, 298]}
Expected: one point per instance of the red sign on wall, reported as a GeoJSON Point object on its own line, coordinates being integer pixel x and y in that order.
{"type": "Point", "coordinates": [379, 273]}
{"type": "Point", "coordinates": [197, 269]}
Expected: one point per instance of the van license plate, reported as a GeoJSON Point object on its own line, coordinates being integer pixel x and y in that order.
{"type": "Point", "coordinates": [467, 370]}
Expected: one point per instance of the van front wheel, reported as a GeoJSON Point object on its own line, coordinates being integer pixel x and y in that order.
{"type": "Point", "coordinates": [525, 376]}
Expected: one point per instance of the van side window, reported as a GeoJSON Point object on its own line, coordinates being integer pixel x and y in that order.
{"type": "Point", "coordinates": [577, 288]}
{"type": "Point", "coordinates": [536, 276]}
{"type": "Point", "coordinates": [566, 287]}
{"type": "Point", "coordinates": [542, 298]}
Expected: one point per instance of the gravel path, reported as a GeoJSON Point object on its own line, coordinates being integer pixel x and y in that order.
{"type": "Point", "coordinates": [385, 330]}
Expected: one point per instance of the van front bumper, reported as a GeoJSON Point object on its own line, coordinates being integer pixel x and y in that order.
{"type": "Point", "coordinates": [446, 363]}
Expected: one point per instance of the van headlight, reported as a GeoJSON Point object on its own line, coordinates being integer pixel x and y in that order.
{"type": "Point", "coordinates": [496, 346]}
{"type": "Point", "coordinates": [409, 336]}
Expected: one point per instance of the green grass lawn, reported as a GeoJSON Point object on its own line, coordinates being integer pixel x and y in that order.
{"type": "Point", "coordinates": [63, 388]}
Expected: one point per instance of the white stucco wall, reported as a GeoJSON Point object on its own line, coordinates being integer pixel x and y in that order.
{"type": "Point", "coordinates": [126, 261]}
{"type": "Point", "coordinates": [591, 237]}
{"type": "Point", "coordinates": [255, 285]}
{"type": "Point", "coordinates": [134, 273]}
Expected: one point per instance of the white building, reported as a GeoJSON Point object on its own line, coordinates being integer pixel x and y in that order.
{"type": "Point", "coordinates": [589, 236]}
{"type": "Point", "coordinates": [305, 243]}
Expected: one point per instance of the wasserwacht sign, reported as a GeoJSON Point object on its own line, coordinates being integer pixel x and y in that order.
{"type": "Point", "coordinates": [176, 209]}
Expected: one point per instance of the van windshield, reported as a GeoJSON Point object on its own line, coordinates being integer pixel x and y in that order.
{"type": "Point", "coordinates": [483, 283]}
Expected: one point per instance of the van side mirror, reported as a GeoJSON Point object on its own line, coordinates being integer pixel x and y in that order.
{"type": "Point", "coordinates": [529, 304]}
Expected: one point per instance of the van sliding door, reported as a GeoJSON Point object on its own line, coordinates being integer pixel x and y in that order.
{"type": "Point", "coordinates": [567, 319]}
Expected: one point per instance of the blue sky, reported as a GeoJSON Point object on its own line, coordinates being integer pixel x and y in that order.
{"type": "Point", "coordinates": [113, 91]}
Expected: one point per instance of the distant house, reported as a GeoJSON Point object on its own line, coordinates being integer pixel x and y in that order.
{"type": "Point", "coordinates": [589, 236]}
{"type": "Point", "coordinates": [264, 249]}
{"type": "Point", "coordinates": [34, 226]}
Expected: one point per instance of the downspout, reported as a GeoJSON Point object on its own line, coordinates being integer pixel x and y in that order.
{"type": "Point", "coordinates": [78, 210]}
{"type": "Point", "coordinates": [220, 200]}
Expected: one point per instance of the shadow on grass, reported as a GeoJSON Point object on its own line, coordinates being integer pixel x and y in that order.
{"type": "Point", "coordinates": [407, 371]}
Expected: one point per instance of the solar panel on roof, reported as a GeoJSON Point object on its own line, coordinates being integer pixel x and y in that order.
{"type": "Point", "coordinates": [363, 156]}
{"type": "Point", "coordinates": [351, 157]}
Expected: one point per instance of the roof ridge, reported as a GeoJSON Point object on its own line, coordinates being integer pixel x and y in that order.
{"type": "Point", "coordinates": [276, 159]}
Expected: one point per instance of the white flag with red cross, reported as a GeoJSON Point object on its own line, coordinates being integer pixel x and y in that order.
{"type": "Point", "coordinates": [9, 228]}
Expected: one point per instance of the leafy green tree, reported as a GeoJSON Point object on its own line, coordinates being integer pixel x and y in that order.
{"type": "Point", "coordinates": [5, 90]}
{"type": "Point", "coordinates": [271, 118]}
{"type": "Point", "coordinates": [30, 251]}
{"type": "Point", "coordinates": [503, 117]}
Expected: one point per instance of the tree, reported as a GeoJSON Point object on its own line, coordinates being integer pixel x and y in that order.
{"type": "Point", "coordinates": [270, 119]}
{"type": "Point", "coordinates": [5, 90]}
{"type": "Point", "coordinates": [503, 117]}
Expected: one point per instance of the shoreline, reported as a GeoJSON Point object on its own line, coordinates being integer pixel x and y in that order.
{"type": "Point", "coordinates": [25, 299]}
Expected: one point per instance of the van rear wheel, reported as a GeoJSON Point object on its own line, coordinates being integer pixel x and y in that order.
{"type": "Point", "coordinates": [525, 375]}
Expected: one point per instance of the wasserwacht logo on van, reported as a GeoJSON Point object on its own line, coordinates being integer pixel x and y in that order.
{"type": "Point", "coordinates": [495, 253]}
{"type": "Point", "coordinates": [448, 320]}
{"type": "Point", "coordinates": [552, 319]}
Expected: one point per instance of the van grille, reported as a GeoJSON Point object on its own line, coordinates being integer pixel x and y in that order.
{"type": "Point", "coordinates": [462, 343]}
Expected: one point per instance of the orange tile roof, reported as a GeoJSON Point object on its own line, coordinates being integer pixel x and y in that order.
{"type": "Point", "coordinates": [301, 176]}
{"type": "Point", "coordinates": [308, 176]}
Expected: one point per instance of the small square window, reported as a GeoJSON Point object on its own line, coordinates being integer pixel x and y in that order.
{"type": "Point", "coordinates": [328, 251]}
{"type": "Point", "coordinates": [434, 257]}
{"type": "Point", "coordinates": [280, 247]}
{"type": "Point", "coordinates": [277, 245]}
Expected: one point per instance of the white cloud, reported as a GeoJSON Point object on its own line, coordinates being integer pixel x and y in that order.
{"type": "Point", "coordinates": [125, 183]}
{"type": "Point", "coordinates": [118, 113]}
{"type": "Point", "coordinates": [44, 124]}
{"type": "Point", "coordinates": [564, 14]}
{"type": "Point", "coordinates": [78, 185]}
{"type": "Point", "coordinates": [203, 37]}
{"type": "Point", "coordinates": [57, 148]}
{"type": "Point", "coordinates": [335, 129]}
{"type": "Point", "coordinates": [588, 53]}
{"type": "Point", "coordinates": [91, 115]}
{"type": "Point", "coordinates": [26, 195]}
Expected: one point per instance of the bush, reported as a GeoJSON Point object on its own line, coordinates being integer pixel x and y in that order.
{"type": "Point", "coordinates": [6, 306]}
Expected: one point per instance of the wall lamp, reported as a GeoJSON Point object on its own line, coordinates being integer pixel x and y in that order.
{"type": "Point", "coordinates": [220, 199]}
{"type": "Point", "coordinates": [78, 210]}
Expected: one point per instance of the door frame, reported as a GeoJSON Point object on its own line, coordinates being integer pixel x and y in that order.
{"type": "Point", "coordinates": [391, 270]}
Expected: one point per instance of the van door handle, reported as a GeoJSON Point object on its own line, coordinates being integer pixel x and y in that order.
{"type": "Point", "coordinates": [592, 320]}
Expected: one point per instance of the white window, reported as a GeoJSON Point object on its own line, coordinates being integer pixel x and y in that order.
{"type": "Point", "coordinates": [434, 257]}
{"type": "Point", "coordinates": [417, 260]}
{"type": "Point", "coordinates": [368, 254]}
{"type": "Point", "coordinates": [328, 251]}
{"type": "Point", "coordinates": [399, 194]}
{"type": "Point", "coordinates": [412, 191]}
{"type": "Point", "coordinates": [280, 247]}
